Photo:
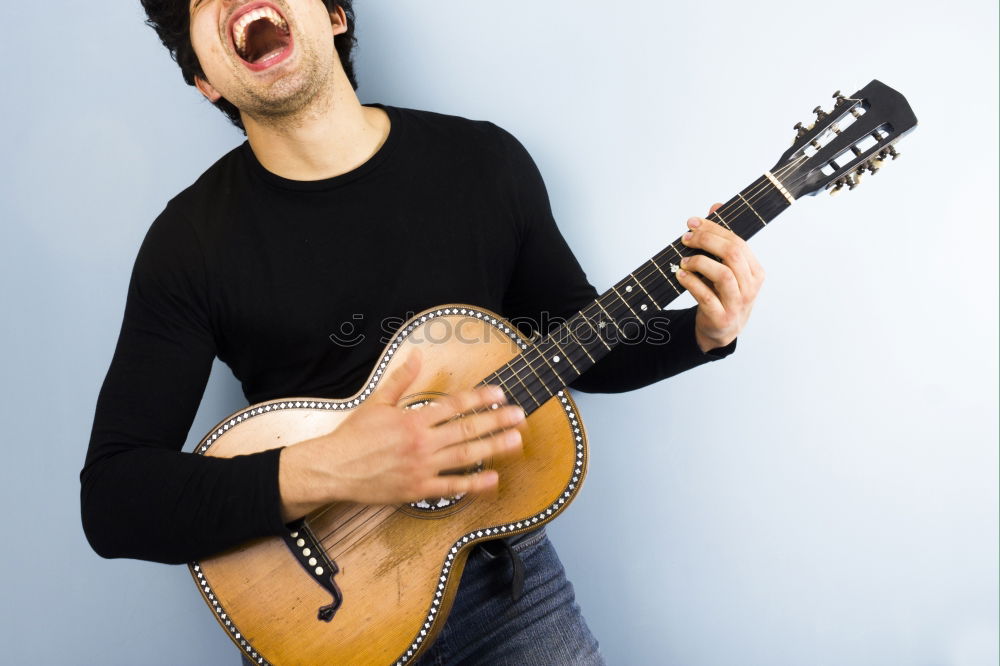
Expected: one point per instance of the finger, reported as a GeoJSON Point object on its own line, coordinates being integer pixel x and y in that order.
{"type": "Point", "coordinates": [720, 279]}
{"type": "Point", "coordinates": [756, 270]}
{"type": "Point", "coordinates": [467, 454]}
{"type": "Point", "coordinates": [451, 485]}
{"type": "Point", "coordinates": [707, 299]}
{"type": "Point", "coordinates": [728, 247]}
{"type": "Point", "coordinates": [448, 407]}
{"type": "Point", "coordinates": [477, 425]}
{"type": "Point", "coordinates": [714, 207]}
{"type": "Point", "coordinates": [706, 225]}
{"type": "Point", "coordinates": [397, 384]}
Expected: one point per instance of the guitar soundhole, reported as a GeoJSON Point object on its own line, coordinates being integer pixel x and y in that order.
{"type": "Point", "coordinates": [437, 504]}
{"type": "Point", "coordinates": [441, 503]}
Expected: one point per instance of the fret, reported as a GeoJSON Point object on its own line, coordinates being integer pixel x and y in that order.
{"type": "Point", "coordinates": [679, 254]}
{"type": "Point", "coordinates": [622, 299]}
{"type": "Point", "coordinates": [563, 354]}
{"type": "Point", "coordinates": [580, 344]}
{"type": "Point", "coordinates": [722, 219]}
{"type": "Point", "coordinates": [651, 299]}
{"type": "Point", "coordinates": [762, 220]}
{"type": "Point", "coordinates": [517, 376]}
{"type": "Point", "coordinates": [654, 282]}
{"type": "Point", "coordinates": [541, 379]}
{"type": "Point", "coordinates": [503, 385]}
{"type": "Point", "coordinates": [557, 376]}
{"type": "Point", "coordinates": [597, 332]}
{"type": "Point", "coordinates": [575, 328]}
{"type": "Point", "coordinates": [611, 320]}
{"type": "Point", "coordinates": [665, 277]}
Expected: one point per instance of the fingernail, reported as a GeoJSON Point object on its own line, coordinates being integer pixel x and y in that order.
{"type": "Point", "coordinates": [513, 438]}
{"type": "Point", "coordinates": [685, 261]}
{"type": "Point", "coordinates": [687, 236]}
{"type": "Point", "coordinates": [519, 415]}
{"type": "Point", "coordinates": [498, 394]}
{"type": "Point", "coordinates": [682, 273]}
{"type": "Point", "coordinates": [694, 222]}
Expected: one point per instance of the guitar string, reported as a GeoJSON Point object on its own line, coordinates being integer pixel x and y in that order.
{"type": "Point", "coordinates": [644, 272]}
{"type": "Point", "coordinates": [735, 210]}
{"type": "Point", "coordinates": [536, 379]}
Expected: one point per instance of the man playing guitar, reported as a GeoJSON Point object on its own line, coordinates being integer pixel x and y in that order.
{"type": "Point", "coordinates": [335, 212]}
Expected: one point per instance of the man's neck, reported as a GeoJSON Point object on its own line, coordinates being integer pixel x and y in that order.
{"type": "Point", "coordinates": [334, 135]}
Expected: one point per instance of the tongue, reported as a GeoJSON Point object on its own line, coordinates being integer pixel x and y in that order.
{"type": "Point", "coordinates": [264, 39]}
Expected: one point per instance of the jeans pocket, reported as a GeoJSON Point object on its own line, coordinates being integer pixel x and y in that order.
{"type": "Point", "coordinates": [521, 544]}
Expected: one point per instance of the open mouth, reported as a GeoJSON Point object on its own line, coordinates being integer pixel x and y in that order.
{"type": "Point", "coordinates": [261, 36]}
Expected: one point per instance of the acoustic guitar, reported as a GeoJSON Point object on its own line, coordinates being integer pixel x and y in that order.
{"type": "Point", "coordinates": [356, 584]}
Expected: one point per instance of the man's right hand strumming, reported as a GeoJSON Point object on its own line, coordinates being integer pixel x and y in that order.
{"type": "Point", "coordinates": [382, 454]}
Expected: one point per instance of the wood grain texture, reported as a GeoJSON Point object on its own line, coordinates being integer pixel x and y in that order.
{"type": "Point", "coordinates": [391, 559]}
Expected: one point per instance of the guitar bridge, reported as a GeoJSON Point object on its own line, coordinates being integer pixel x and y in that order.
{"type": "Point", "coordinates": [306, 549]}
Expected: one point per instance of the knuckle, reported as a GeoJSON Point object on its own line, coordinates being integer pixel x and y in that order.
{"type": "Point", "coordinates": [467, 453]}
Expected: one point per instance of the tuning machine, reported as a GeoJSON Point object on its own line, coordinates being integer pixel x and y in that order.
{"type": "Point", "coordinates": [837, 187]}
{"type": "Point", "coordinates": [840, 99]}
{"type": "Point", "coordinates": [820, 113]}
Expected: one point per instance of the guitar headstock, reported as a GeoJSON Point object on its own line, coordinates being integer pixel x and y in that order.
{"type": "Point", "coordinates": [856, 136]}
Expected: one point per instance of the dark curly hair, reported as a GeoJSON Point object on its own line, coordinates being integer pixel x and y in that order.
{"type": "Point", "coordinates": [171, 19]}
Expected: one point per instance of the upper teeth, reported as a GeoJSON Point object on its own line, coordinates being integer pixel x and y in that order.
{"type": "Point", "coordinates": [241, 25]}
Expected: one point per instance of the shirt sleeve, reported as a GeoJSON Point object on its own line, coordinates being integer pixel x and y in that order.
{"type": "Point", "coordinates": [141, 496]}
{"type": "Point", "coordinates": [548, 285]}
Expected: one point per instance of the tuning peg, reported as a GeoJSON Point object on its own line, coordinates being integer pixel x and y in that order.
{"type": "Point", "coordinates": [852, 181]}
{"type": "Point", "coordinates": [837, 187]}
{"type": "Point", "coordinates": [892, 151]}
{"type": "Point", "coordinates": [820, 113]}
{"type": "Point", "coordinates": [840, 99]}
{"type": "Point", "coordinates": [800, 130]}
{"type": "Point", "coordinates": [873, 167]}
{"type": "Point", "coordinates": [876, 162]}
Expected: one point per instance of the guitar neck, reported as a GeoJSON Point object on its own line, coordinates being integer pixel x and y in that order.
{"type": "Point", "coordinates": [619, 315]}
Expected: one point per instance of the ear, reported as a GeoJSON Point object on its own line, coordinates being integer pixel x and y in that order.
{"type": "Point", "coordinates": [206, 89]}
{"type": "Point", "coordinates": [338, 20]}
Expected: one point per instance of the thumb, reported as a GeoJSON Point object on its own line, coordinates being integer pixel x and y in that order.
{"type": "Point", "coordinates": [399, 380]}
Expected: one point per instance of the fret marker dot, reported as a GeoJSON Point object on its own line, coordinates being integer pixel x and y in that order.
{"type": "Point", "coordinates": [555, 359]}
{"type": "Point", "coordinates": [628, 289]}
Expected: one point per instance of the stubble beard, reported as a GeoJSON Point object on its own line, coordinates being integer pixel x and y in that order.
{"type": "Point", "coordinates": [292, 99]}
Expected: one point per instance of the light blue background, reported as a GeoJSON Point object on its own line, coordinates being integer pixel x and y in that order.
{"type": "Point", "coordinates": [827, 496]}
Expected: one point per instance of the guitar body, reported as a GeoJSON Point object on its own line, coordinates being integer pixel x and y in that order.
{"type": "Point", "coordinates": [397, 568]}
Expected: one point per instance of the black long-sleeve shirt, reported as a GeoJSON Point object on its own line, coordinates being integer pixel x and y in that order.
{"type": "Point", "coordinates": [269, 274]}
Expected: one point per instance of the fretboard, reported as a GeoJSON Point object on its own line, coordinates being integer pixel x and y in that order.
{"type": "Point", "coordinates": [619, 315]}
